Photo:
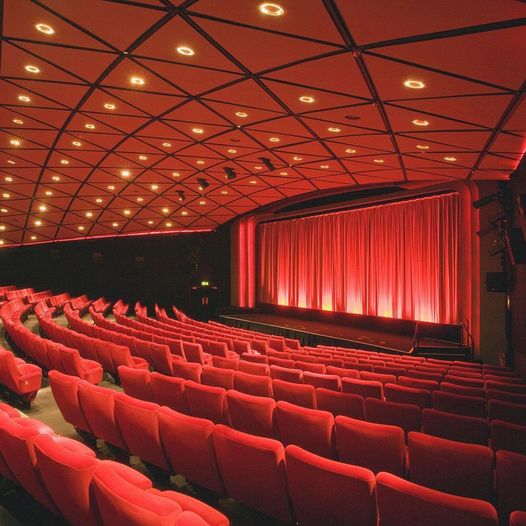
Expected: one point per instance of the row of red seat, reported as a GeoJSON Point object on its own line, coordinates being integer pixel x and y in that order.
{"type": "Point", "coordinates": [46, 353]}
{"type": "Point", "coordinates": [255, 413]}
{"type": "Point", "coordinates": [101, 305]}
{"type": "Point", "coordinates": [66, 477]}
{"type": "Point", "coordinates": [261, 473]}
{"type": "Point", "coordinates": [13, 294]}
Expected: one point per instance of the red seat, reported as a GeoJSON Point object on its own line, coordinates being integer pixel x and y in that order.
{"type": "Point", "coordinates": [299, 394]}
{"type": "Point", "coordinates": [73, 364]}
{"type": "Point", "coordinates": [462, 390]}
{"type": "Point", "coordinates": [376, 377]}
{"type": "Point", "coordinates": [407, 395]}
{"type": "Point", "coordinates": [286, 374]}
{"type": "Point", "coordinates": [136, 383]}
{"type": "Point", "coordinates": [188, 444]}
{"type": "Point", "coordinates": [495, 394]}
{"type": "Point", "coordinates": [318, 368]}
{"type": "Point", "coordinates": [507, 411]}
{"type": "Point", "coordinates": [518, 518]}
{"type": "Point", "coordinates": [310, 429]}
{"type": "Point", "coordinates": [252, 414]}
{"type": "Point", "coordinates": [464, 381]}
{"type": "Point", "coordinates": [217, 377]}
{"type": "Point", "coordinates": [225, 363]}
{"type": "Point", "coordinates": [253, 384]}
{"type": "Point", "coordinates": [23, 379]}
{"type": "Point", "coordinates": [98, 406]}
{"type": "Point", "coordinates": [510, 481]}
{"type": "Point", "coordinates": [168, 391]}
{"type": "Point", "coordinates": [254, 357]}
{"type": "Point", "coordinates": [66, 468]}
{"type": "Point", "coordinates": [406, 416]}
{"type": "Point", "coordinates": [280, 362]}
{"type": "Point", "coordinates": [390, 370]}
{"type": "Point", "coordinates": [253, 470]}
{"type": "Point", "coordinates": [327, 381]}
{"type": "Point", "coordinates": [365, 388]}
{"type": "Point", "coordinates": [162, 359]}
{"type": "Point", "coordinates": [139, 425]}
{"type": "Point", "coordinates": [343, 372]}
{"type": "Point", "coordinates": [508, 436]}
{"type": "Point", "coordinates": [65, 391]}
{"type": "Point", "coordinates": [377, 447]}
{"type": "Point", "coordinates": [205, 401]}
{"type": "Point", "coordinates": [260, 369]}
{"type": "Point", "coordinates": [424, 375]}
{"type": "Point", "coordinates": [188, 371]}
{"type": "Point", "coordinates": [403, 503]}
{"type": "Point", "coordinates": [194, 353]}
{"type": "Point", "coordinates": [469, 429]}
{"type": "Point", "coordinates": [327, 492]}
{"type": "Point", "coordinates": [453, 467]}
{"type": "Point", "coordinates": [337, 403]}
{"type": "Point", "coordinates": [459, 404]}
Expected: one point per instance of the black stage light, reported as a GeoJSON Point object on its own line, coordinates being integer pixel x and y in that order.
{"type": "Point", "coordinates": [267, 163]}
{"type": "Point", "coordinates": [230, 173]}
{"type": "Point", "coordinates": [483, 201]}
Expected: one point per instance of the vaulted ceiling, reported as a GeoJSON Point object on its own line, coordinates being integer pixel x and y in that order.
{"type": "Point", "coordinates": [120, 117]}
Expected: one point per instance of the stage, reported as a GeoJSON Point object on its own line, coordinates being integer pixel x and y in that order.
{"type": "Point", "coordinates": [399, 338]}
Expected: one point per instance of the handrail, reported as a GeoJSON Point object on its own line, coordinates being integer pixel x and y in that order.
{"type": "Point", "coordinates": [415, 337]}
{"type": "Point", "coordinates": [471, 340]}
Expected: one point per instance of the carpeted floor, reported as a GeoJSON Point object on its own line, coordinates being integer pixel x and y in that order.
{"type": "Point", "coordinates": [19, 509]}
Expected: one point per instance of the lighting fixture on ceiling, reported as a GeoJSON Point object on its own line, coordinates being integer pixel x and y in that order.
{"type": "Point", "coordinates": [185, 50]}
{"type": "Point", "coordinates": [5, 195]}
{"type": "Point", "coordinates": [241, 114]}
{"type": "Point", "coordinates": [271, 9]}
{"type": "Point", "coordinates": [38, 222]}
{"type": "Point", "coordinates": [115, 225]}
{"type": "Point", "coordinates": [137, 81]}
{"type": "Point", "coordinates": [176, 174]}
{"type": "Point", "coordinates": [253, 181]}
{"type": "Point", "coordinates": [283, 173]}
{"type": "Point", "coordinates": [274, 139]}
{"type": "Point", "coordinates": [49, 193]}
{"type": "Point", "coordinates": [98, 200]}
{"type": "Point", "coordinates": [297, 158]}
{"type": "Point", "coordinates": [42, 208]}
{"type": "Point", "coordinates": [89, 126]}
{"type": "Point", "coordinates": [56, 178]}
{"type": "Point", "coordinates": [230, 173]}
{"type": "Point", "coordinates": [32, 69]}
{"type": "Point", "coordinates": [378, 160]}
{"type": "Point", "coordinates": [9, 161]}
{"type": "Point", "coordinates": [198, 130]}
{"type": "Point", "coordinates": [154, 187]}
{"type": "Point", "coordinates": [126, 212]}
{"type": "Point", "coordinates": [18, 121]}
{"type": "Point", "coordinates": [200, 162]}
{"type": "Point", "coordinates": [110, 106]}
{"type": "Point", "coordinates": [202, 203]}
{"type": "Point", "coordinates": [307, 99]}
{"type": "Point", "coordinates": [450, 158]}
{"type": "Point", "coordinates": [125, 173]}
{"type": "Point", "coordinates": [420, 122]}
{"type": "Point", "coordinates": [110, 187]}
{"type": "Point", "coordinates": [44, 28]}
{"type": "Point", "coordinates": [350, 150]}
{"type": "Point", "coordinates": [15, 142]}
{"type": "Point", "coordinates": [334, 129]}
{"type": "Point", "coordinates": [268, 163]}
{"type": "Point", "coordinates": [203, 183]}
{"type": "Point", "coordinates": [140, 199]}
{"type": "Point", "coordinates": [2, 227]}
{"type": "Point", "coordinates": [167, 144]}
{"type": "Point", "coordinates": [168, 224]}
{"type": "Point", "coordinates": [181, 195]}
{"type": "Point", "coordinates": [8, 179]}
{"type": "Point", "coordinates": [422, 146]}
{"type": "Point", "coordinates": [81, 228]}
{"type": "Point", "coordinates": [33, 238]}
{"type": "Point", "coordinates": [64, 161]}
{"type": "Point", "coordinates": [24, 98]}
{"type": "Point", "coordinates": [324, 166]}
{"type": "Point", "coordinates": [184, 213]}
{"type": "Point", "coordinates": [165, 210]}
{"type": "Point", "coordinates": [143, 158]}
{"type": "Point", "coordinates": [89, 214]}
{"type": "Point", "coordinates": [414, 84]}
{"type": "Point", "coordinates": [4, 210]}
{"type": "Point", "coordinates": [224, 192]}
{"type": "Point", "coordinates": [258, 167]}
{"type": "Point", "coordinates": [232, 150]}
{"type": "Point", "coordinates": [76, 143]}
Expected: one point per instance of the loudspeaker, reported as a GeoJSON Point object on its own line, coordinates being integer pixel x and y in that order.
{"type": "Point", "coordinates": [496, 281]}
{"type": "Point", "coordinates": [516, 246]}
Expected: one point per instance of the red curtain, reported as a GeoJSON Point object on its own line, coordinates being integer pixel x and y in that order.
{"type": "Point", "coordinates": [396, 260]}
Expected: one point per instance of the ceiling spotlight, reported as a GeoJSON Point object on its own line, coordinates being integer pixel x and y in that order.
{"type": "Point", "coordinates": [181, 195]}
{"type": "Point", "coordinates": [176, 174]}
{"type": "Point", "coordinates": [154, 187]}
{"type": "Point", "coordinates": [267, 163]}
{"type": "Point", "coordinates": [324, 166]}
{"type": "Point", "coordinates": [198, 130]}
{"type": "Point", "coordinates": [18, 121]}
{"type": "Point", "coordinates": [202, 203]}
{"type": "Point", "coordinates": [422, 146]}
{"type": "Point", "coordinates": [378, 160]}
{"type": "Point", "coordinates": [420, 122]}
{"type": "Point", "coordinates": [167, 144]}
{"type": "Point", "coordinates": [5, 195]}
{"type": "Point", "coordinates": [56, 178]}
{"type": "Point", "coordinates": [89, 214]}
{"type": "Point", "coordinates": [42, 208]}
{"type": "Point", "coordinates": [98, 200]}
{"type": "Point", "coordinates": [165, 210]}
{"type": "Point", "coordinates": [143, 157]}
{"type": "Point", "coordinates": [230, 173]}
{"type": "Point", "coordinates": [111, 187]}
{"type": "Point", "coordinates": [200, 162]}
{"type": "Point", "coordinates": [297, 158]}
{"type": "Point", "coordinates": [186, 51]}
{"type": "Point", "coordinates": [44, 28]}
{"type": "Point", "coordinates": [4, 210]}
{"type": "Point", "coordinates": [115, 225]}
{"type": "Point", "coordinates": [126, 212]}
{"type": "Point", "coordinates": [81, 228]}
{"type": "Point", "coordinates": [64, 161]}
{"type": "Point", "coordinates": [253, 181]}
{"type": "Point", "coordinates": [274, 139]}
{"type": "Point", "coordinates": [224, 192]}
{"type": "Point", "coordinates": [333, 129]}
{"type": "Point", "coordinates": [283, 173]}
{"type": "Point", "coordinates": [2, 227]}
{"type": "Point", "coordinates": [125, 173]}
{"type": "Point", "coordinates": [414, 84]}
{"type": "Point", "coordinates": [8, 179]}
{"type": "Point", "coordinates": [168, 224]}
{"type": "Point", "coordinates": [258, 167]}
{"type": "Point", "coordinates": [89, 126]}
{"type": "Point", "coordinates": [15, 142]}
{"type": "Point", "coordinates": [38, 222]}
{"type": "Point", "coordinates": [76, 143]}
{"type": "Point", "coordinates": [350, 150]}
{"type": "Point", "coordinates": [49, 193]}
{"type": "Point", "coordinates": [32, 69]}
{"type": "Point", "coordinates": [203, 183]}
{"type": "Point", "coordinates": [271, 9]}
{"type": "Point", "coordinates": [232, 150]}
{"type": "Point", "coordinates": [33, 238]}
{"type": "Point", "coordinates": [137, 81]}
{"type": "Point", "coordinates": [184, 213]}
{"type": "Point", "coordinates": [24, 98]}
{"type": "Point", "coordinates": [307, 99]}
{"type": "Point", "coordinates": [140, 199]}
{"type": "Point", "coordinates": [9, 161]}
{"type": "Point", "coordinates": [109, 106]}
{"type": "Point", "coordinates": [241, 114]}
{"type": "Point", "coordinates": [450, 159]}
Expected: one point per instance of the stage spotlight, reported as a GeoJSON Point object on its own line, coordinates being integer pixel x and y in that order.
{"type": "Point", "coordinates": [497, 247]}
{"type": "Point", "coordinates": [483, 201]}
{"type": "Point", "coordinates": [181, 195]}
{"type": "Point", "coordinates": [230, 173]}
{"type": "Point", "coordinates": [484, 231]}
{"type": "Point", "coordinates": [203, 183]}
{"type": "Point", "coordinates": [267, 163]}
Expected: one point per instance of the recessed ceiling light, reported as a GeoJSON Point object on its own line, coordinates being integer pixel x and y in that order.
{"type": "Point", "coordinates": [202, 203]}
{"type": "Point", "coordinates": [5, 195]}
{"type": "Point", "coordinates": [414, 84]}
{"type": "Point", "coordinates": [42, 208]}
{"type": "Point", "coordinates": [89, 214]}
{"type": "Point", "coordinates": [143, 157]}
{"type": "Point", "coordinates": [167, 144]}
{"type": "Point", "coordinates": [56, 178]}
{"type": "Point", "coordinates": [184, 213]}
{"type": "Point", "coordinates": [38, 222]}
{"type": "Point", "coordinates": [258, 167]}
{"type": "Point", "coordinates": [32, 69]}
{"type": "Point", "coordinates": [324, 166]}
{"type": "Point", "coordinates": [44, 28]}
{"type": "Point", "coordinates": [24, 98]}
{"type": "Point", "coordinates": [126, 212]}
{"type": "Point", "coordinates": [125, 173]}
{"type": "Point", "coordinates": [224, 192]}
{"type": "Point", "coordinates": [2, 227]}
{"type": "Point", "coordinates": [1, 241]}
{"type": "Point", "coordinates": [89, 126]}
{"type": "Point", "coordinates": [64, 161]}
{"type": "Point", "coordinates": [297, 158]}
{"type": "Point", "coordinates": [111, 187]}
{"type": "Point", "coordinates": [198, 130]}
{"type": "Point", "coordinates": [253, 181]}
{"type": "Point", "coordinates": [4, 210]}
{"type": "Point", "coordinates": [137, 81]}
{"type": "Point", "coordinates": [274, 139]}
{"type": "Point", "coordinates": [98, 200]}
{"type": "Point", "coordinates": [15, 142]}
{"type": "Point", "coordinates": [9, 161]}
{"type": "Point", "coordinates": [241, 114]}
{"type": "Point", "coordinates": [200, 162]}
{"type": "Point", "coordinates": [283, 173]}
{"type": "Point", "coordinates": [109, 106]}
{"type": "Point", "coordinates": [176, 174]}
{"type": "Point", "coordinates": [115, 224]}
{"type": "Point", "coordinates": [334, 129]}
{"type": "Point", "coordinates": [18, 121]}
{"type": "Point", "coordinates": [150, 222]}
{"type": "Point", "coordinates": [81, 227]}
{"type": "Point", "coordinates": [168, 224]}
{"type": "Point", "coordinates": [232, 150]}
{"type": "Point", "coordinates": [350, 150]}
{"type": "Point", "coordinates": [378, 160]}
{"type": "Point", "coordinates": [8, 179]}
{"type": "Point", "coordinates": [76, 143]}
{"type": "Point", "coordinates": [185, 50]}
{"type": "Point", "coordinates": [449, 158]}
{"type": "Point", "coordinates": [420, 122]}
{"type": "Point", "coordinates": [307, 99]}
{"type": "Point", "coordinates": [140, 199]}
{"type": "Point", "coordinates": [49, 193]}
{"type": "Point", "coordinates": [165, 210]}
{"type": "Point", "coordinates": [33, 238]}
{"type": "Point", "coordinates": [154, 187]}
{"type": "Point", "coordinates": [422, 146]}
{"type": "Point", "coordinates": [271, 9]}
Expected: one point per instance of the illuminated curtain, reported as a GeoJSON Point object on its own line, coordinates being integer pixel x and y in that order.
{"type": "Point", "coordinates": [396, 260]}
